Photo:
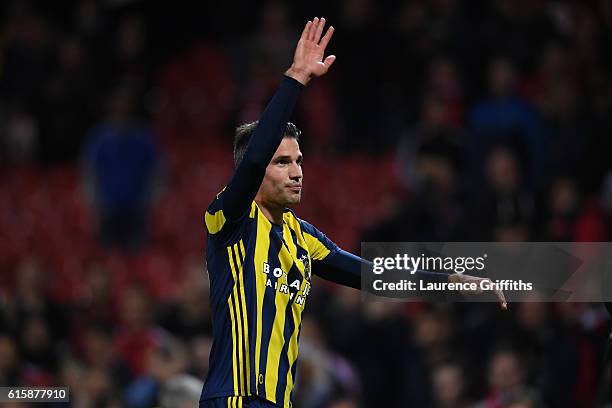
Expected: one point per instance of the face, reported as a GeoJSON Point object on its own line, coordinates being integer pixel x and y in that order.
{"type": "Point", "coordinates": [282, 184]}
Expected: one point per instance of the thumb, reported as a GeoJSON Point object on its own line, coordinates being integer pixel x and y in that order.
{"type": "Point", "coordinates": [329, 61]}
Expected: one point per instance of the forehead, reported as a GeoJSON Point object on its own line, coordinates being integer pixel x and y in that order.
{"type": "Point", "coordinates": [288, 147]}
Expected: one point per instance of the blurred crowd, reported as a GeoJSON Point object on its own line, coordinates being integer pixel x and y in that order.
{"type": "Point", "coordinates": [442, 120]}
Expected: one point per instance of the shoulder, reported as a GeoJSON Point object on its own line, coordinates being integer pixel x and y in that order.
{"type": "Point", "coordinates": [312, 233]}
{"type": "Point", "coordinates": [305, 226]}
{"type": "Point", "coordinates": [215, 219]}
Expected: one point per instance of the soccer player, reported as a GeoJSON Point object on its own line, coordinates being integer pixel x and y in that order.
{"type": "Point", "coordinates": [260, 256]}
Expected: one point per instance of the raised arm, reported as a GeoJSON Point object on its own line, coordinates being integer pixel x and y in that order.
{"type": "Point", "coordinates": [308, 62]}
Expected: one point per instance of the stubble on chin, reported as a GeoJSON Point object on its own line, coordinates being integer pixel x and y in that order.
{"type": "Point", "coordinates": [293, 199]}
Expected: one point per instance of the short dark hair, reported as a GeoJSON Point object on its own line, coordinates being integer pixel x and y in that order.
{"type": "Point", "coordinates": [243, 136]}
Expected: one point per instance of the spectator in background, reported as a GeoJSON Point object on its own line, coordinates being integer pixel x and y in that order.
{"type": "Point", "coordinates": [89, 387]}
{"type": "Point", "coordinates": [324, 374]}
{"type": "Point", "coordinates": [272, 45]}
{"type": "Point", "coordinates": [38, 324]}
{"type": "Point", "coordinates": [567, 130]}
{"type": "Point", "coordinates": [504, 117]}
{"type": "Point", "coordinates": [130, 57]}
{"type": "Point", "coordinates": [570, 215]}
{"type": "Point", "coordinates": [181, 391]}
{"type": "Point", "coordinates": [555, 353]}
{"type": "Point", "coordinates": [189, 316]}
{"type": "Point", "coordinates": [89, 21]}
{"type": "Point", "coordinates": [163, 381]}
{"type": "Point", "coordinates": [567, 377]}
{"type": "Point", "coordinates": [136, 336]}
{"type": "Point", "coordinates": [433, 334]}
{"type": "Point", "coordinates": [444, 83]}
{"type": "Point", "coordinates": [27, 53]}
{"type": "Point", "coordinates": [122, 173]}
{"type": "Point", "coordinates": [563, 205]}
{"type": "Point", "coordinates": [200, 356]}
{"type": "Point", "coordinates": [70, 97]}
{"type": "Point", "coordinates": [10, 365]}
{"type": "Point", "coordinates": [98, 389]}
{"type": "Point", "coordinates": [96, 305]}
{"type": "Point", "coordinates": [507, 382]}
{"type": "Point", "coordinates": [38, 351]}
{"type": "Point", "coordinates": [344, 402]}
{"type": "Point", "coordinates": [396, 375]}
{"type": "Point", "coordinates": [449, 386]}
{"type": "Point", "coordinates": [432, 162]}
{"type": "Point", "coordinates": [504, 205]}
{"type": "Point", "coordinates": [436, 127]}
{"type": "Point", "coordinates": [19, 135]}
{"type": "Point", "coordinates": [98, 353]}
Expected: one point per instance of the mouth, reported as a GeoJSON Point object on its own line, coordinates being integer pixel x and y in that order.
{"type": "Point", "coordinates": [295, 188]}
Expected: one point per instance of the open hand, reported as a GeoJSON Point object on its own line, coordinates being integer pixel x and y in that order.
{"type": "Point", "coordinates": [308, 59]}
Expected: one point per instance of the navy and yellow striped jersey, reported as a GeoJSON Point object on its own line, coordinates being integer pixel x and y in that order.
{"type": "Point", "coordinates": [260, 278]}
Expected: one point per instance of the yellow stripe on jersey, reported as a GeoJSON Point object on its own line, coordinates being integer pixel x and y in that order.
{"type": "Point", "coordinates": [292, 350]}
{"type": "Point", "coordinates": [234, 365]}
{"type": "Point", "coordinates": [294, 224]}
{"type": "Point", "coordinates": [241, 258]}
{"type": "Point", "coordinates": [289, 240]}
{"type": "Point", "coordinates": [277, 338]}
{"type": "Point", "coordinates": [287, 235]}
{"type": "Point", "coordinates": [292, 248]}
{"type": "Point", "coordinates": [214, 222]}
{"type": "Point", "coordinates": [317, 250]}
{"type": "Point", "coordinates": [261, 256]}
{"type": "Point", "coordinates": [230, 252]}
{"type": "Point", "coordinates": [253, 209]}
{"type": "Point", "coordinates": [234, 402]}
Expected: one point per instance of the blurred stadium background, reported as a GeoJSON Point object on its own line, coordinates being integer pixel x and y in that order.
{"type": "Point", "coordinates": [442, 120]}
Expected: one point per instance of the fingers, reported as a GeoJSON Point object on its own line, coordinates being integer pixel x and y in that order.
{"type": "Point", "coordinates": [319, 30]}
{"type": "Point", "coordinates": [329, 61]}
{"type": "Point", "coordinates": [500, 296]}
{"type": "Point", "coordinates": [502, 299]}
{"type": "Point", "coordinates": [306, 32]}
{"type": "Point", "coordinates": [313, 29]}
{"type": "Point", "coordinates": [327, 37]}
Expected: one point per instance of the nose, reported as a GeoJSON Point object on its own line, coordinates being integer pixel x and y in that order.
{"type": "Point", "coordinates": [295, 171]}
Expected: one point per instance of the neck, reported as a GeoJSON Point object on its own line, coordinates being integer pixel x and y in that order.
{"type": "Point", "coordinates": [273, 213]}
